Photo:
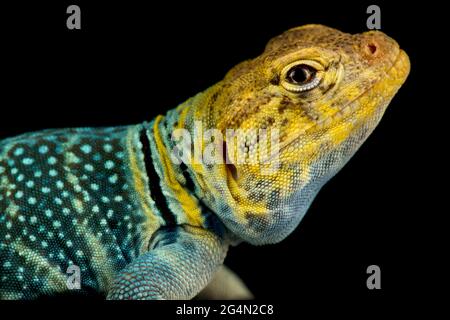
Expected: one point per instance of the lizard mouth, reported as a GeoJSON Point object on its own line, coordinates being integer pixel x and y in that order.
{"type": "Point", "coordinates": [393, 77]}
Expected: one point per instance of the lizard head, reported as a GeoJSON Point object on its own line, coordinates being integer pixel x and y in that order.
{"type": "Point", "coordinates": [315, 94]}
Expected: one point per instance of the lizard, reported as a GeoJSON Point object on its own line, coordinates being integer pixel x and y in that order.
{"type": "Point", "coordinates": [141, 219]}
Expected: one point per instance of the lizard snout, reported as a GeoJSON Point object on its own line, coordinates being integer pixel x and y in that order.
{"type": "Point", "coordinates": [378, 48]}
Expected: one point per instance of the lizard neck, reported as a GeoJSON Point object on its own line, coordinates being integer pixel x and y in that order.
{"type": "Point", "coordinates": [178, 188]}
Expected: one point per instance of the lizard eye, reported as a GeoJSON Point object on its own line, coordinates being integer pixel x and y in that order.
{"type": "Point", "coordinates": [300, 74]}
{"type": "Point", "coordinates": [300, 77]}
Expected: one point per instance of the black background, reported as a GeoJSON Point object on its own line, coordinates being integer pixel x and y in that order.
{"type": "Point", "coordinates": [131, 62]}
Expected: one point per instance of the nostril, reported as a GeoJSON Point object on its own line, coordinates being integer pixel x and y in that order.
{"type": "Point", "coordinates": [371, 48]}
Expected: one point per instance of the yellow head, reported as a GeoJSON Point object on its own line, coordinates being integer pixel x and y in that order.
{"type": "Point", "coordinates": [321, 92]}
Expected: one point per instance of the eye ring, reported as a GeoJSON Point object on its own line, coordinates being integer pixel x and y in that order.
{"type": "Point", "coordinates": [300, 77]}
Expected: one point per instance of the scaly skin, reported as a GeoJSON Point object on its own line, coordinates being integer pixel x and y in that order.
{"type": "Point", "coordinates": [115, 202]}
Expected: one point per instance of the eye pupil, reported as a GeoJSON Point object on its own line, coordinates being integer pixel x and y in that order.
{"type": "Point", "coordinates": [300, 77]}
{"type": "Point", "coordinates": [300, 74]}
